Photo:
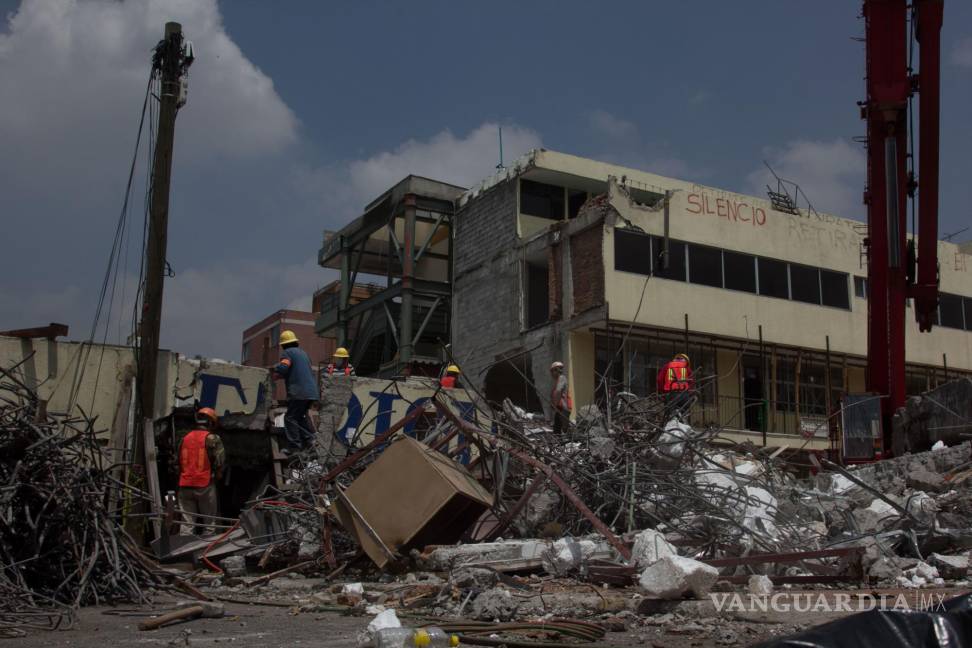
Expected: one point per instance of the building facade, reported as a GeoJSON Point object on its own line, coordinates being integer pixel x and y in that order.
{"type": "Point", "coordinates": [561, 257]}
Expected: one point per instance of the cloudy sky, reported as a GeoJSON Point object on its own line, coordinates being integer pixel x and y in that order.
{"type": "Point", "coordinates": [298, 118]}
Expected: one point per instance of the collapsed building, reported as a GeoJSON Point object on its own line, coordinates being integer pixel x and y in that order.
{"type": "Point", "coordinates": [468, 490]}
{"type": "Point", "coordinates": [614, 270]}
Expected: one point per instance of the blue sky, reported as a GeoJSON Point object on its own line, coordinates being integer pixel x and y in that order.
{"type": "Point", "coordinates": [297, 118]}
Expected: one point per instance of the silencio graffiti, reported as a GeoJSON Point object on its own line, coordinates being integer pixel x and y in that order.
{"type": "Point", "coordinates": [736, 211]}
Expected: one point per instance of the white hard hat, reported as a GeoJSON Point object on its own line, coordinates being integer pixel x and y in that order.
{"type": "Point", "coordinates": [557, 365]}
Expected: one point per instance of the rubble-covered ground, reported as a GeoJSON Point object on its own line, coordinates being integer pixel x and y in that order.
{"type": "Point", "coordinates": [634, 529]}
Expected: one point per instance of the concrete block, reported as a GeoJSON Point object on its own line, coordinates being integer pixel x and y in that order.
{"type": "Point", "coordinates": [956, 567]}
{"type": "Point", "coordinates": [889, 568]}
{"type": "Point", "coordinates": [650, 546]}
{"type": "Point", "coordinates": [875, 517]}
{"type": "Point", "coordinates": [494, 604]}
{"type": "Point", "coordinates": [760, 585]}
{"type": "Point", "coordinates": [675, 576]}
{"type": "Point", "coordinates": [925, 480]}
{"type": "Point", "coordinates": [233, 566]}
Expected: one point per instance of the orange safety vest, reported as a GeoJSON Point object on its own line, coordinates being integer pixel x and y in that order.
{"type": "Point", "coordinates": [677, 376]}
{"type": "Point", "coordinates": [447, 382]}
{"type": "Point", "coordinates": [331, 368]}
{"type": "Point", "coordinates": [194, 460]}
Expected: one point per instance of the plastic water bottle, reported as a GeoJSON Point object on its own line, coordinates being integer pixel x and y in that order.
{"type": "Point", "coordinates": [431, 637]}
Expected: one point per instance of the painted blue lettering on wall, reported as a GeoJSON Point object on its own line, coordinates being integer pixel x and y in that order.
{"type": "Point", "coordinates": [417, 404]}
{"type": "Point", "coordinates": [211, 383]}
{"type": "Point", "coordinates": [386, 408]}
{"type": "Point", "coordinates": [354, 420]}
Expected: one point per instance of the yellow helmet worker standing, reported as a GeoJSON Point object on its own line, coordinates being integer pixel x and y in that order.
{"type": "Point", "coordinates": [341, 363]}
{"type": "Point", "coordinates": [451, 378]}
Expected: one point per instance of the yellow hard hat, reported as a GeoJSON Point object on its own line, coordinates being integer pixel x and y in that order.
{"type": "Point", "coordinates": [287, 337]}
{"type": "Point", "coordinates": [341, 352]}
{"type": "Point", "coordinates": [683, 357]}
{"type": "Point", "coordinates": [453, 369]}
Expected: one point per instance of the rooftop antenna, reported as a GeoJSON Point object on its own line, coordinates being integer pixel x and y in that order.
{"type": "Point", "coordinates": [782, 200]}
{"type": "Point", "coordinates": [501, 165]}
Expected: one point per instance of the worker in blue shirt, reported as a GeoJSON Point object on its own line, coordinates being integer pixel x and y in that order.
{"type": "Point", "coordinates": [295, 368]}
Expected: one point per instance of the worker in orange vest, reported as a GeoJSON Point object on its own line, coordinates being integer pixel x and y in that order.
{"type": "Point", "coordinates": [560, 399]}
{"type": "Point", "coordinates": [201, 459]}
{"type": "Point", "coordinates": [341, 364]}
{"type": "Point", "coordinates": [675, 381]}
{"type": "Point", "coordinates": [451, 378]}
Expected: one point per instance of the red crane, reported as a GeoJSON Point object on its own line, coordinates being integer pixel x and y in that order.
{"type": "Point", "coordinates": [891, 276]}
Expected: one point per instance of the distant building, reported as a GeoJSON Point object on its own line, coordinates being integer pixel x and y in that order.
{"type": "Point", "coordinates": [261, 342]}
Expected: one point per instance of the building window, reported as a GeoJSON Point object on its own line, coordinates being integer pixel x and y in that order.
{"type": "Point", "coordinates": [813, 389]}
{"type": "Point", "coordinates": [773, 279]}
{"type": "Point", "coordinates": [968, 313]}
{"type": "Point", "coordinates": [833, 286]}
{"type": "Point", "coordinates": [246, 351]}
{"type": "Point", "coordinates": [632, 252]}
{"type": "Point", "coordinates": [537, 294]}
{"type": "Point", "coordinates": [740, 271]}
{"type": "Point", "coordinates": [785, 383]}
{"type": "Point", "coordinates": [541, 200]}
{"type": "Point", "coordinates": [950, 311]}
{"type": "Point", "coordinates": [275, 335]}
{"type": "Point", "coordinates": [804, 284]}
{"type": "Point", "coordinates": [608, 368]}
{"type": "Point", "coordinates": [676, 258]}
{"type": "Point", "coordinates": [705, 265]}
{"type": "Point", "coordinates": [575, 200]}
{"type": "Point", "coordinates": [860, 287]}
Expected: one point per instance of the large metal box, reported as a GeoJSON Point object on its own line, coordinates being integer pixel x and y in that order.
{"type": "Point", "coordinates": [411, 496]}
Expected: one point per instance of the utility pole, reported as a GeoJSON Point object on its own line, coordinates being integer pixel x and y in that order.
{"type": "Point", "coordinates": [172, 58]}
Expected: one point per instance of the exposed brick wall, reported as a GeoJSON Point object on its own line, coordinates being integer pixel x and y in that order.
{"type": "Point", "coordinates": [587, 269]}
{"type": "Point", "coordinates": [486, 282]}
{"type": "Point", "coordinates": [555, 281]}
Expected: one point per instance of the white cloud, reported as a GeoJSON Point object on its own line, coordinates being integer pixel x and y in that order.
{"type": "Point", "coordinates": [207, 308]}
{"type": "Point", "coordinates": [619, 141]}
{"type": "Point", "coordinates": [465, 160]}
{"type": "Point", "coordinates": [75, 73]}
{"type": "Point", "coordinates": [458, 160]}
{"type": "Point", "coordinates": [605, 124]}
{"type": "Point", "coordinates": [962, 52]}
{"type": "Point", "coordinates": [830, 173]}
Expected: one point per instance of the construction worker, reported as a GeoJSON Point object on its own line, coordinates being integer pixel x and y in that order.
{"type": "Point", "coordinates": [560, 398]}
{"type": "Point", "coordinates": [341, 364]}
{"type": "Point", "coordinates": [295, 368]}
{"type": "Point", "coordinates": [675, 382]}
{"type": "Point", "coordinates": [200, 461]}
{"type": "Point", "coordinates": [451, 378]}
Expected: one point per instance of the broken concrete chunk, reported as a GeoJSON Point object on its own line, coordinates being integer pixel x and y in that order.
{"type": "Point", "coordinates": [921, 575]}
{"type": "Point", "coordinates": [233, 566]}
{"type": "Point", "coordinates": [889, 569]}
{"type": "Point", "coordinates": [568, 555]}
{"type": "Point", "coordinates": [875, 517]}
{"type": "Point", "coordinates": [673, 577]}
{"type": "Point", "coordinates": [926, 480]}
{"type": "Point", "coordinates": [950, 566]}
{"type": "Point", "coordinates": [649, 547]}
{"type": "Point", "coordinates": [760, 585]}
{"type": "Point", "coordinates": [469, 577]}
{"type": "Point", "coordinates": [494, 604]}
